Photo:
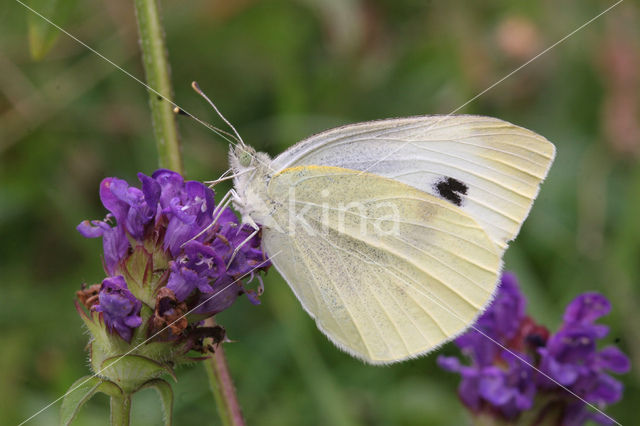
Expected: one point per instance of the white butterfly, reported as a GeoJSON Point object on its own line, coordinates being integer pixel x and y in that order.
{"type": "Point", "coordinates": [391, 232]}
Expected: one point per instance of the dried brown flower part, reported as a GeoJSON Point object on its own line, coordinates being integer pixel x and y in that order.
{"type": "Point", "coordinates": [88, 296]}
{"type": "Point", "coordinates": [169, 316]}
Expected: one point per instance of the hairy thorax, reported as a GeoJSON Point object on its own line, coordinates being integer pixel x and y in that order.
{"type": "Point", "coordinates": [252, 175]}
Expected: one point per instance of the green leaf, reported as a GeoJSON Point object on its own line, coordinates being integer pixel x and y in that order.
{"type": "Point", "coordinates": [80, 392]}
{"type": "Point", "coordinates": [166, 397]}
{"type": "Point", "coordinates": [42, 35]}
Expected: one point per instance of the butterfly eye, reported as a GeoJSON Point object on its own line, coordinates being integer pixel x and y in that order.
{"type": "Point", "coordinates": [245, 158]}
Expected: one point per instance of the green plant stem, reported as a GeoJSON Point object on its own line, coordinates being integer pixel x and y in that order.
{"type": "Point", "coordinates": [120, 410]}
{"type": "Point", "coordinates": [222, 386]}
{"type": "Point", "coordinates": [157, 71]}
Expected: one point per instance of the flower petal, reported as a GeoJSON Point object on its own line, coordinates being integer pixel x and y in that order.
{"type": "Point", "coordinates": [587, 308]}
{"type": "Point", "coordinates": [614, 359]}
{"type": "Point", "coordinates": [449, 363]}
{"type": "Point", "coordinates": [493, 388]}
{"type": "Point", "coordinates": [91, 229]}
{"type": "Point", "coordinates": [151, 189]}
{"type": "Point", "coordinates": [605, 390]}
{"type": "Point", "coordinates": [120, 308]}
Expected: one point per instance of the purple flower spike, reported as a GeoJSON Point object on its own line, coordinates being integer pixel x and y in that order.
{"type": "Point", "coordinates": [163, 251]}
{"type": "Point", "coordinates": [161, 238]}
{"type": "Point", "coordinates": [509, 388]}
{"type": "Point", "coordinates": [499, 383]}
{"type": "Point", "coordinates": [573, 359]}
{"type": "Point", "coordinates": [519, 384]}
{"type": "Point", "coordinates": [121, 310]}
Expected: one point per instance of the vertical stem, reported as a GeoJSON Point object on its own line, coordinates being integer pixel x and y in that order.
{"type": "Point", "coordinates": [120, 410]}
{"type": "Point", "coordinates": [222, 386]}
{"type": "Point", "coordinates": [156, 66]}
{"type": "Point", "coordinates": [157, 71]}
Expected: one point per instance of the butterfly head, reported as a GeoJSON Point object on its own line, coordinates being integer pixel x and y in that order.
{"type": "Point", "coordinates": [251, 171]}
{"type": "Point", "coordinates": [243, 158]}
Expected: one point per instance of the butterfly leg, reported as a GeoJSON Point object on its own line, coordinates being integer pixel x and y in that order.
{"type": "Point", "coordinates": [224, 177]}
{"type": "Point", "coordinates": [256, 229]}
{"type": "Point", "coordinates": [224, 203]}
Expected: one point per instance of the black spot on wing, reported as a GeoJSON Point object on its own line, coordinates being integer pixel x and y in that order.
{"type": "Point", "coordinates": [451, 190]}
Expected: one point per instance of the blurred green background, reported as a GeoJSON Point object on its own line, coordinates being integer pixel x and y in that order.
{"type": "Point", "coordinates": [280, 71]}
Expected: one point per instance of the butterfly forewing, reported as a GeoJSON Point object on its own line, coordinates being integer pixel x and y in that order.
{"type": "Point", "coordinates": [487, 167]}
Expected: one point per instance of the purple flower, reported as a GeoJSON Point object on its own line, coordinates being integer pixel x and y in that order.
{"type": "Point", "coordinates": [165, 235]}
{"type": "Point", "coordinates": [572, 358]}
{"type": "Point", "coordinates": [173, 259]}
{"type": "Point", "coordinates": [189, 211]}
{"type": "Point", "coordinates": [469, 389]}
{"type": "Point", "coordinates": [496, 377]}
{"type": "Point", "coordinates": [224, 293]}
{"type": "Point", "coordinates": [575, 414]}
{"type": "Point", "coordinates": [203, 267]}
{"type": "Point", "coordinates": [586, 308]}
{"type": "Point", "coordinates": [114, 241]}
{"type": "Point", "coordinates": [191, 272]}
{"type": "Point", "coordinates": [500, 381]}
{"type": "Point", "coordinates": [502, 320]}
{"type": "Point", "coordinates": [127, 204]}
{"type": "Point", "coordinates": [510, 387]}
{"type": "Point", "coordinates": [120, 309]}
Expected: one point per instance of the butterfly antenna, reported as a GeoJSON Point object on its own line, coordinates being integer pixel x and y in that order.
{"type": "Point", "coordinates": [223, 134]}
{"type": "Point", "coordinates": [201, 93]}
